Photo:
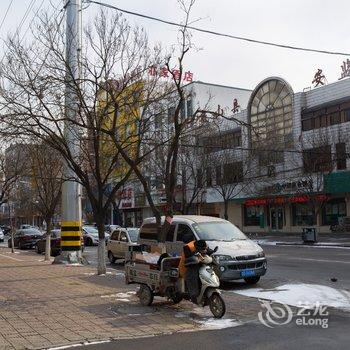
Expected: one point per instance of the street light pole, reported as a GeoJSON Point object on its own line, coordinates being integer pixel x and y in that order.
{"type": "Point", "coordinates": [71, 190]}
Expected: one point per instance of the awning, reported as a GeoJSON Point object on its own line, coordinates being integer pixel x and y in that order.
{"type": "Point", "coordinates": [338, 182]}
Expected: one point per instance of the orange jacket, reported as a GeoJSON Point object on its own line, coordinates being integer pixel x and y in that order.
{"type": "Point", "coordinates": [182, 267]}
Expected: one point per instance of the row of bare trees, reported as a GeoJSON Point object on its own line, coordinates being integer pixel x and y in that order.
{"type": "Point", "coordinates": [116, 99]}
{"type": "Point", "coordinates": [31, 180]}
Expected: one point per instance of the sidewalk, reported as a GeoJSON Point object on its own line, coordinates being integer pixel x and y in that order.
{"type": "Point", "coordinates": [323, 240]}
{"type": "Point", "coordinates": [44, 305]}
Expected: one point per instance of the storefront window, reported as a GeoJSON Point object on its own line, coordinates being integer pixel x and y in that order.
{"type": "Point", "coordinates": [303, 214]}
{"type": "Point", "coordinates": [253, 215]}
{"type": "Point", "coordinates": [333, 210]}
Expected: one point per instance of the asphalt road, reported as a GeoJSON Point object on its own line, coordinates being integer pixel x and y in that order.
{"type": "Point", "coordinates": [296, 264]}
{"type": "Point", "coordinates": [286, 264]}
{"type": "Point", "coordinates": [249, 336]}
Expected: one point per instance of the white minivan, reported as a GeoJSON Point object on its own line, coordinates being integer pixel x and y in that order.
{"type": "Point", "coordinates": [238, 256]}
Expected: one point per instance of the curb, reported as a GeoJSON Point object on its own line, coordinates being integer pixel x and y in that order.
{"type": "Point", "coordinates": [314, 245]}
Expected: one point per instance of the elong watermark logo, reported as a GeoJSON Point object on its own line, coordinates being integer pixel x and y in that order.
{"type": "Point", "coordinates": [279, 314]}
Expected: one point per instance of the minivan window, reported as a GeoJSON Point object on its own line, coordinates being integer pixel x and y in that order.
{"type": "Point", "coordinates": [183, 230]}
{"type": "Point", "coordinates": [149, 231]}
{"type": "Point", "coordinates": [218, 231]}
{"type": "Point", "coordinates": [115, 235]}
{"type": "Point", "coordinates": [170, 234]}
{"type": "Point", "coordinates": [123, 237]}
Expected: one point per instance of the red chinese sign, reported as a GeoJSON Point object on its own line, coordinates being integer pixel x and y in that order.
{"type": "Point", "coordinates": [126, 197]}
{"type": "Point", "coordinates": [299, 199]}
{"type": "Point", "coordinates": [283, 200]}
{"type": "Point", "coordinates": [319, 78]}
{"type": "Point", "coordinates": [163, 72]}
{"type": "Point", "coordinates": [236, 106]}
{"type": "Point", "coordinates": [345, 69]}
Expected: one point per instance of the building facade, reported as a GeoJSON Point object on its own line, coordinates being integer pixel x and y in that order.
{"type": "Point", "coordinates": [278, 161]}
{"type": "Point", "coordinates": [295, 159]}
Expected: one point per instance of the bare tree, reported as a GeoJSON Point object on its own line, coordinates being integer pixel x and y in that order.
{"type": "Point", "coordinates": [46, 179]}
{"type": "Point", "coordinates": [159, 150]}
{"type": "Point", "coordinates": [318, 161]}
{"type": "Point", "coordinates": [115, 58]}
{"type": "Point", "coordinates": [11, 169]}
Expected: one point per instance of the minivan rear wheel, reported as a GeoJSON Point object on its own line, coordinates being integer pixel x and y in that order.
{"type": "Point", "coordinates": [252, 280]}
{"type": "Point", "coordinates": [111, 257]}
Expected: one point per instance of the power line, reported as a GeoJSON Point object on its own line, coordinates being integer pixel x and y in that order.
{"type": "Point", "coordinates": [5, 15]}
{"type": "Point", "coordinates": [211, 32]}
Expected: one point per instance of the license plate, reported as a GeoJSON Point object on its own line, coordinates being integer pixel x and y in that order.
{"type": "Point", "coordinates": [247, 273]}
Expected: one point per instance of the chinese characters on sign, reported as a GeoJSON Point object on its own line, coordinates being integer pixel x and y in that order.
{"type": "Point", "coordinates": [165, 73]}
{"type": "Point", "coordinates": [345, 69]}
{"type": "Point", "coordinates": [319, 78]}
{"type": "Point", "coordinates": [126, 197]}
{"type": "Point", "coordinates": [235, 109]}
{"type": "Point", "coordinates": [236, 106]}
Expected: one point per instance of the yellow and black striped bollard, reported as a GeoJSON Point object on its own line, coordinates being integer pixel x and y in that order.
{"type": "Point", "coordinates": [71, 236]}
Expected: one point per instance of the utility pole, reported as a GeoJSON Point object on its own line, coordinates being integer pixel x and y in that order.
{"type": "Point", "coordinates": [71, 220]}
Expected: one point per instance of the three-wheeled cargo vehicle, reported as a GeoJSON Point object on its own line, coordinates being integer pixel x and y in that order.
{"type": "Point", "coordinates": [158, 275]}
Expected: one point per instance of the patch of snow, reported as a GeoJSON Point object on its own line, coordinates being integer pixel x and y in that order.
{"type": "Point", "coordinates": [302, 295]}
{"type": "Point", "coordinates": [80, 344]}
{"type": "Point", "coordinates": [214, 323]}
{"type": "Point", "coordinates": [123, 299]}
{"type": "Point", "coordinates": [89, 273]}
{"type": "Point", "coordinates": [265, 242]}
{"type": "Point", "coordinates": [109, 296]}
{"type": "Point", "coordinates": [122, 295]}
{"type": "Point", "coordinates": [203, 317]}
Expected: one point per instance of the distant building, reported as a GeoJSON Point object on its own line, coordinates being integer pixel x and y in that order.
{"type": "Point", "coordinates": [294, 159]}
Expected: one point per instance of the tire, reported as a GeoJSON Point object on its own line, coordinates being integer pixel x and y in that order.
{"type": "Point", "coordinates": [37, 249]}
{"type": "Point", "coordinates": [20, 246]}
{"type": "Point", "coordinates": [252, 280]}
{"type": "Point", "coordinates": [111, 257]}
{"type": "Point", "coordinates": [176, 298]}
{"type": "Point", "coordinates": [90, 243]}
{"type": "Point", "coordinates": [217, 305]}
{"type": "Point", "coordinates": [145, 295]}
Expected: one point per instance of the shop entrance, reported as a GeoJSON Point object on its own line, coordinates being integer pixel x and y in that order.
{"type": "Point", "coordinates": [276, 218]}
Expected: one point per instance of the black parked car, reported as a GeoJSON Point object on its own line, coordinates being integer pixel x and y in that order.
{"type": "Point", "coordinates": [25, 238]}
{"type": "Point", "coordinates": [6, 229]}
{"type": "Point", "coordinates": [55, 243]}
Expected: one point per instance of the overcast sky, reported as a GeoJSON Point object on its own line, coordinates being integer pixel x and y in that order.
{"type": "Point", "coordinates": [320, 24]}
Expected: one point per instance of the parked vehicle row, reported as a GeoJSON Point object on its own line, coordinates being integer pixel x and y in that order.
{"type": "Point", "coordinates": [25, 238]}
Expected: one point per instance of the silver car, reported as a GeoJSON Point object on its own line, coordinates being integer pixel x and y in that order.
{"type": "Point", "coordinates": [119, 242]}
{"type": "Point", "coordinates": [239, 257]}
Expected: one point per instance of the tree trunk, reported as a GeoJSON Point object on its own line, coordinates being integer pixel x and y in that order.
{"type": "Point", "coordinates": [48, 239]}
{"type": "Point", "coordinates": [101, 250]}
{"type": "Point", "coordinates": [226, 210]}
{"type": "Point", "coordinates": [12, 241]}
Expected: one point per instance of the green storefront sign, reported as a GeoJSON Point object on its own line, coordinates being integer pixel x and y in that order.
{"type": "Point", "coordinates": [337, 182]}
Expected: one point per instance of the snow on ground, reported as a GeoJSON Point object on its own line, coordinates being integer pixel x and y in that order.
{"type": "Point", "coordinates": [302, 295]}
{"type": "Point", "coordinates": [204, 318]}
{"type": "Point", "coordinates": [265, 242]}
{"type": "Point", "coordinates": [328, 245]}
{"type": "Point", "coordinates": [213, 323]}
